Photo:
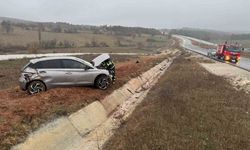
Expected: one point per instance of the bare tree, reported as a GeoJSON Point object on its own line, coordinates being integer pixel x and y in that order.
{"type": "Point", "coordinates": [33, 47]}
{"type": "Point", "coordinates": [6, 25]}
{"type": "Point", "coordinates": [40, 34]}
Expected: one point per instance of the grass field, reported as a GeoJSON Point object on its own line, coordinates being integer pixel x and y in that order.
{"type": "Point", "coordinates": [24, 37]}
{"type": "Point", "coordinates": [21, 37]}
{"type": "Point", "coordinates": [187, 110]}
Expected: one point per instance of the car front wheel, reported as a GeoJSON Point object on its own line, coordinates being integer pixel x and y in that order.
{"type": "Point", "coordinates": [36, 87]}
{"type": "Point", "coordinates": [102, 82]}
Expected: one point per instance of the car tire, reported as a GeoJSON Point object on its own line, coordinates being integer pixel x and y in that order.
{"type": "Point", "coordinates": [102, 82]}
{"type": "Point", "coordinates": [35, 87]}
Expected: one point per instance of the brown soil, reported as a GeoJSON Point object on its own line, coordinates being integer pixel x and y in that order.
{"type": "Point", "coordinates": [187, 110]}
{"type": "Point", "coordinates": [21, 113]}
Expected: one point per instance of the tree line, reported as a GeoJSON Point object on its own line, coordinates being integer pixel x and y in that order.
{"type": "Point", "coordinates": [62, 27]}
{"type": "Point", "coordinates": [7, 26]}
{"type": "Point", "coordinates": [209, 35]}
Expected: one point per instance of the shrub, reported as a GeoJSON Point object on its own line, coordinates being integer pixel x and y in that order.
{"type": "Point", "coordinates": [68, 44]}
{"type": "Point", "coordinates": [87, 44]}
{"type": "Point", "coordinates": [151, 40]}
{"type": "Point", "coordinates": [94, 43]}
{"type": "Point", "coordinates": [48, 44]}
{"type": "Point", "coordinates": [118, 43]}
{"type": "Point", "coordinates": [103, 44]}
{"type": "Point", "coordinates": [33, 47]}
{"type": "Point", "coordinates": [140, 45]}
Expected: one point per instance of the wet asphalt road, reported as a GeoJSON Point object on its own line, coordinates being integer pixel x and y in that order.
{"type": "Point", "coordinates": [186, 43]}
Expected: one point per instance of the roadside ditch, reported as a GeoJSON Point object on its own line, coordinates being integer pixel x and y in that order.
{"type": "Point", "coordinates": [71, 131]}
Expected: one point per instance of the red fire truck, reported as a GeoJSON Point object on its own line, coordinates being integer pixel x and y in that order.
{"type": "Point", "coordinates": [227, 52]}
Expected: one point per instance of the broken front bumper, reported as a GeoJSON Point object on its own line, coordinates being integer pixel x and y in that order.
{"type": "Point", "coordinates": [22, 83]}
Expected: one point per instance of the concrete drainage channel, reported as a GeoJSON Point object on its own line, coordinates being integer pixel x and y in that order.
{"type": "Point", "coordinates": [91, 126]}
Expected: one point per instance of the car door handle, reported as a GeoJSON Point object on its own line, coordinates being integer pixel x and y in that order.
{"type": "Point", "coordinates": [42, 71]}
{"type": "Point", "coordinates": [68, 73]}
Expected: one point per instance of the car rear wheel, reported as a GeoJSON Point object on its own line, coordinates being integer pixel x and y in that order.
{"type": "Point", "coordinates": [36, 87]}
{"type": "Point", "coordinates": [102, 82]}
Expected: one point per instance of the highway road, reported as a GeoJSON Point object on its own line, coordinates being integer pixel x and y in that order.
{"type": "Point", "coordinates": [186, 43]}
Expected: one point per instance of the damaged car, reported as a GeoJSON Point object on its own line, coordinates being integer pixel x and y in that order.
{"type": "Point", "coordinates": [45, 73]}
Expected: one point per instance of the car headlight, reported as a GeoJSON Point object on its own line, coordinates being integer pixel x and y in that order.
{"type": "Point", "coordinates": [28, 74]}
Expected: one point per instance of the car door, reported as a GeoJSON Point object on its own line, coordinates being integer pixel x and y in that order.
{"type": "Point", "coordinates": [52, 73]}
{"type": "Point", "coordinates": [78, 72]}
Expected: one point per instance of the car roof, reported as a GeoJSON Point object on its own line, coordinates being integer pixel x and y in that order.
{"type": "Point", "coordinates": [53, 58]}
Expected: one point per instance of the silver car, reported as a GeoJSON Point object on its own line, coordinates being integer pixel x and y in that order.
{"type": "Point", "coordinates": [45, 73]}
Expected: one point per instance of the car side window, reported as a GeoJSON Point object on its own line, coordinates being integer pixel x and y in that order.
{"type": "Point", "coordinates": [48, 64]}
{"type": "Point", "coordinates": [72, 64]}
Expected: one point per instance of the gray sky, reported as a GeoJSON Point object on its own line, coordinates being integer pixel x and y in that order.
{"type": "Point", "coordinates": [224, 15]}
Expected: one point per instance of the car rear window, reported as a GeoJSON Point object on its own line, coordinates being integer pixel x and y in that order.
{"type": "Point", "coordinates": [48, 64]}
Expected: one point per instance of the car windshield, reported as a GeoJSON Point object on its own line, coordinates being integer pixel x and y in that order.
{"type": "Point", "coordinates": [233, 49]}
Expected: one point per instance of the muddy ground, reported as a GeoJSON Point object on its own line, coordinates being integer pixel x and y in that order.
{"type": "Point", "coordinates": [21, 114]}
{"type": "Point", "coordinates": [187, 109]}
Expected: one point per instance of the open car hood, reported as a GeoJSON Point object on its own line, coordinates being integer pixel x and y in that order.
{"type": "Point", "coordinates": [98, 60]}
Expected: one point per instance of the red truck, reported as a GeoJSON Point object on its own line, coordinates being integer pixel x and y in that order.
{"type": "Point", "coordinates": [227, 52]}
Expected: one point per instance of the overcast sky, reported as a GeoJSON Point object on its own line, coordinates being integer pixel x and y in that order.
{"type": "Point", "coordinates": [212, 14]}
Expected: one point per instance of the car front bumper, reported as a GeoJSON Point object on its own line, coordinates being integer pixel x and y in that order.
{"type": "Point", "coordinates": [22, 83]}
